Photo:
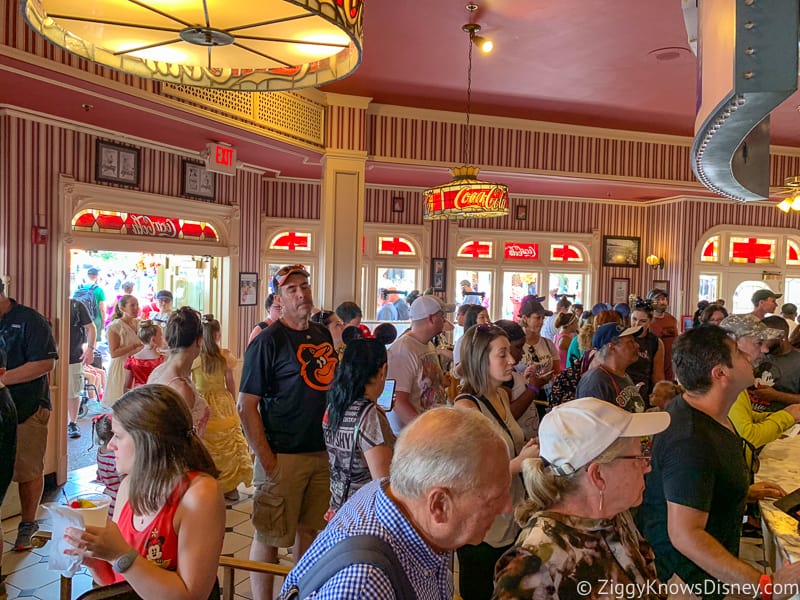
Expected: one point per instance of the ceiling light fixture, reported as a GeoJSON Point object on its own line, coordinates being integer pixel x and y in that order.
{"type": "Point", "coordinates": [280, 45]}
{"type": "Point", "coordinates": [465, 197]}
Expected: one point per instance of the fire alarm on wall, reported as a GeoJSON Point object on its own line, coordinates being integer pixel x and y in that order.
{"type": "Point", "coordinates": [40, 235]}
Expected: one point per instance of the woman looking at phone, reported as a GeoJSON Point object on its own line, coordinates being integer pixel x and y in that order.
{"type": "Point", "coordinates": [357, 433]}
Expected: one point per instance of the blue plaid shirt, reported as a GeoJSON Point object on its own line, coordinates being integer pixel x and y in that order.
{"type": "Point", "coordinates": [371, 512]}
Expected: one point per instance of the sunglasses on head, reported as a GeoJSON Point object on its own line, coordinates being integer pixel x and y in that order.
{"type": "Point", "coordinates": [284, 272]}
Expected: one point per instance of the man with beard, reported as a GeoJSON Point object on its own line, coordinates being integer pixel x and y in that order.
{"type": "Point", "coordinates": [664, 326]}
{"type": "Point", "coordinates": [696, 493]}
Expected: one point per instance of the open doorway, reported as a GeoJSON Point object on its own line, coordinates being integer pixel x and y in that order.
{"type": "Point", "coordinates": [188, 278]}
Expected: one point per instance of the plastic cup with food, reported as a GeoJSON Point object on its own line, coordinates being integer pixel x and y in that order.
{"type": "Point", "coordinates": [93, 508]}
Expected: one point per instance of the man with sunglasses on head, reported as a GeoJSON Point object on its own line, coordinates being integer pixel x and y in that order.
{"type": "Point", "coordinates": [695, 495]}
{"type": "Point", "coordinates": [287, 370]}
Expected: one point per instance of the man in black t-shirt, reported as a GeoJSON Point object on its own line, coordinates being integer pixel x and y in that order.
{"type": "Point", "coordinates": [27, 339]}
{"type": "Point", "coordinates": [695, 495]}
{"type": "Point", "coordinates": [81, 330]}
{"type": "Point", "coordinates": [288, 367]}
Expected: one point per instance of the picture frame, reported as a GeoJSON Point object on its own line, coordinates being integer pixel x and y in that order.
{"type": "Point", "coordinates": [248, 289]}
{"type": "Point", "coordinates": [661, 284]}
{"type": "Point", "coordinates": [198, 182]}
{"type": "Point", "coordinates": [687, 322]}
{"type": "Point", "coordinates": [621, 251]}
{"type": "Point", "coordinates": [620, 286]}
{"type": "Point", "coordinates": [398, 204]}
{"type": "Point", "coordinates": [521, 212]}
{"type": "Point", "coordinates": [439, 274]}
{"type": "Point", "coordinates": [115, 163]}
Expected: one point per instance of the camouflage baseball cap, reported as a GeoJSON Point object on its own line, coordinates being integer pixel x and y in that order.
{"type": "Point", "coordinates": [749, 326]}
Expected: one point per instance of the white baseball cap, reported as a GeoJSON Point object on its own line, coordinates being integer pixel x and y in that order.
{"type": "Point", "coordinates": [425, 306]}
{"type": "Point", "coordinates": [575, 433]}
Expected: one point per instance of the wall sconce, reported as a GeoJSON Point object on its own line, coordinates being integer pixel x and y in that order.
{"type": "Point", "coordinates": [655, 262]}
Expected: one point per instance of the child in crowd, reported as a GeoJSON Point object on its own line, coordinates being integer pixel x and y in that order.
{"type": "Point", "coordinates": [139, 366]}
{"type": "Point", "coordinates": [106, 465]}
{"type": "Point", "coordinates": [212, 373]}
{"type": "Point", "coordinates": [663, 393]}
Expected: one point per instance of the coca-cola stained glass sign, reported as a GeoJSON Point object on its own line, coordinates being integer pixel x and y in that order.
{"type": "Point", "coordinates": [521, 250]}
{"type": "Point", "coordinates": [122, 223]}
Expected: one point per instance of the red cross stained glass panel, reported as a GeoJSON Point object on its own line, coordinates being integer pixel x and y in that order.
{"type": "Point", "coordinates": [475, 249]}
{"type": "Point", "coordinates": [396, 246]}
{"type": "Point", "coordinates": [752, 250]}
{"type": "Point", "coordinates": [565, 253]}
{"type": "Point", "coordinates": [792, 253]}
{"type": "Point", "coordinates": [291, 240]}
{"type": "Point", "coordinates": [710, 250]}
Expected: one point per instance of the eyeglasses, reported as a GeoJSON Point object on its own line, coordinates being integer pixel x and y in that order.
{"type": "Point", "coordinates": [284, 272]}
{"type": "Point", "coordinates": [644, 460]}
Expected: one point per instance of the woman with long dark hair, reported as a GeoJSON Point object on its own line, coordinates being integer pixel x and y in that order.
{"type": "Point", "coordinates": [166, 535]}
{"type": "Point", "coordinates": [357, 433]}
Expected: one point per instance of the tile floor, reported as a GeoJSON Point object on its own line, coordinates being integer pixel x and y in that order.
{"type": "Point", "coordinates": [27, 575]}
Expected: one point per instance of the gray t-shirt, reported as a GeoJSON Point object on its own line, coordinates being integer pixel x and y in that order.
{"type": "Point", "coordinates": [374, 431]}
{"type": "Point", "coordinates": [602, 384]}
{"type": "Point", "coordinates": [785, 371]}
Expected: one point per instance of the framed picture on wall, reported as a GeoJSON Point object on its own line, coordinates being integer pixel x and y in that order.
{"type": "Point", "coordinates": [621, 251]}
{"type": "Point", "coordinates": [198, 182]}
{"type": "Point", "coordinates": [438, 274]}
{"type": "Point", "coordinates": [248, 289]}
{"type": "Point", "coordinates": [662, 284]}
{"type": "Point", "coordinates": [398, 204]}
{"type": "Point", "coordinates": [116, 164]}
{"type": "Point", "coordinates": [521, 212]}
{"type": "Point", "coordinates": [619, 290]}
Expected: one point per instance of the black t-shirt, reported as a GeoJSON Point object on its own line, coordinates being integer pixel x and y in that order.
{"type": "Point", "coordinates": [642, 370]}
{"type": "Point", "coordinates": [78, 318]}
{"type": "Point", "coordinates": [26, 337]}
{"type": "Point", "coordinates": [290, 371]}
{"type": "Point", "coordinates": [697, 463]}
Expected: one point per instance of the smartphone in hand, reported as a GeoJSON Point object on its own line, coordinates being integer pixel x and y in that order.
{"type": "Point", "coordinates": [386, 399]}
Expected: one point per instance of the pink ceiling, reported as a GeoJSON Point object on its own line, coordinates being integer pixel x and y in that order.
{"type": "Point", "coordinates": [584, 62]}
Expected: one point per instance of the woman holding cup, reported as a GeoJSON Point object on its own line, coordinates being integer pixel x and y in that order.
{"type": "Point", "coordinates": [169, 522]}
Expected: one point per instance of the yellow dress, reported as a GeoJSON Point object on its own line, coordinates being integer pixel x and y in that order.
{"type": "Point", "coordinates": [224, 438]}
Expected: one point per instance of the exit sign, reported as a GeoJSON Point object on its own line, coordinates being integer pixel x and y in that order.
{"type": "Point", "coordinates": [221, 158]}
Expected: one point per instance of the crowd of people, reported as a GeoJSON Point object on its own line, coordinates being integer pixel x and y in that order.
{"type": "Point", "coordinates": [556, 455]}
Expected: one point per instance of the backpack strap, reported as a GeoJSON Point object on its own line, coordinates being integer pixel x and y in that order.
{"type": "Point", "coordinates": [357, 549]}
{"type": "Point", "coordinates": [356, 433]}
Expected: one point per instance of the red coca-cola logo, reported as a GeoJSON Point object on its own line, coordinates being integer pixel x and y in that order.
{"type": "Point", "coordinates": [148, 226]}
{"type": "Point", "coordinates": [488, 199]}
{"type": "Point", "coordinates": [521, 250]}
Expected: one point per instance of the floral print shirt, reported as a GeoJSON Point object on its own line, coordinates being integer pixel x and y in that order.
{"type": "Point", "coordinates": [561, 556]}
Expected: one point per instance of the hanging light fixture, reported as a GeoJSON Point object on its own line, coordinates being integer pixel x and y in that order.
{"type": "Point", "coordinates": [791, 202]}
{"type": "Point", "coordinates": [240, 45]}
{"type": "Point", "coordinates": [465, 197]}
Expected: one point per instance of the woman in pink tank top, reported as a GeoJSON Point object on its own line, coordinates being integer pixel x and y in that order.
{"type": "Point", "coordinates": [169, 522]}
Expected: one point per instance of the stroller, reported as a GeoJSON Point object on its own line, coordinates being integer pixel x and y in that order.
{"type": "Point", "coordinates": [97, 362]}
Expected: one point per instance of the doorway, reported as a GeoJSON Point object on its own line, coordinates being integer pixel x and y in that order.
{"type": "Point", "coordinates": [189, 279]}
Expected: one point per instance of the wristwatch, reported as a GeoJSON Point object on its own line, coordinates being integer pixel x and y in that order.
{"type": "Point", "coordinates": [124, 562]}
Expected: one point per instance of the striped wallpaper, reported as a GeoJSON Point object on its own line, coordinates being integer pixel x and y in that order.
{"type": "Point", "coordinates": [33, 154]}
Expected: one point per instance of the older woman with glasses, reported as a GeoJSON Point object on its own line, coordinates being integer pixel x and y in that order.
{"type": "Point", "coordinates": [486, 364]}
{"type": "Point", "coordinates": [578, 534]}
